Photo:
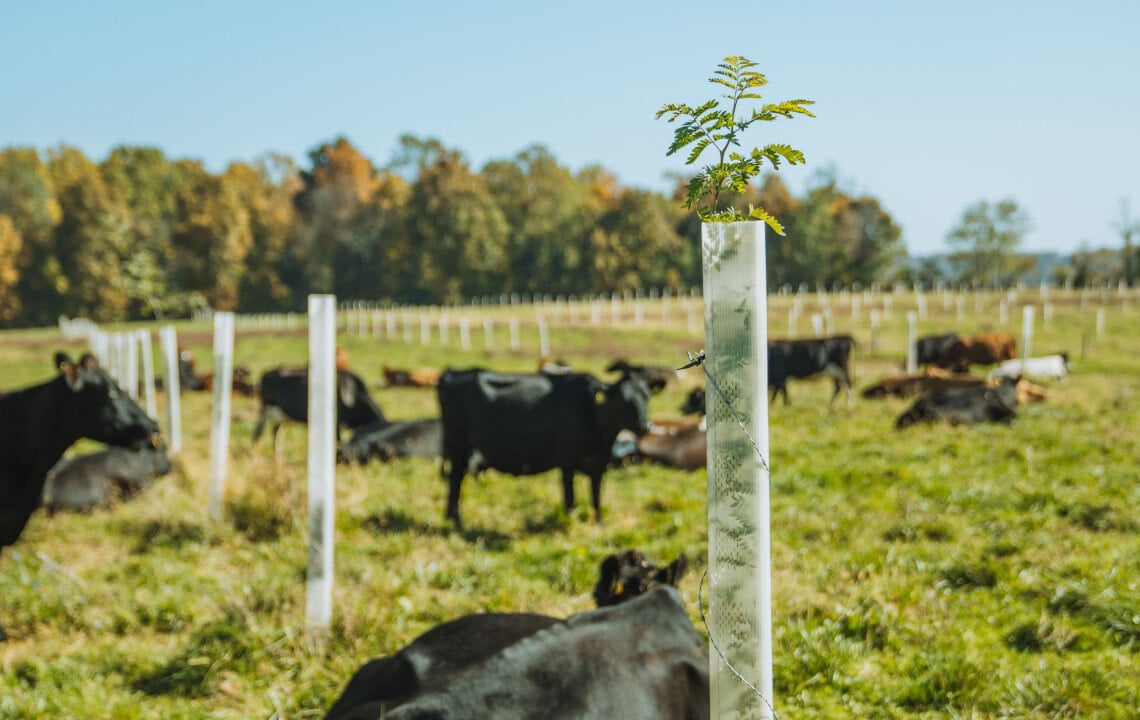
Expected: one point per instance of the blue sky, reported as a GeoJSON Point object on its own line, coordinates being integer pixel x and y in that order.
{"type": "Point", "coordinates": [928, 106]}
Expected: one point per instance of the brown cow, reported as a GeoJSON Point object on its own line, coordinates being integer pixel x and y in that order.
{"type": "Point", "coordinates": [981, 349]}
{"type": "Point", "coordinates": [936, 380]}
{"type": "Point", "coordinates": [411, 377]}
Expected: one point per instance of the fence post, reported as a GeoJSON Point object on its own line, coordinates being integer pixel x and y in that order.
{"type": "Point", "coordinates": [147, 352]}
{"type": "Point", "coordinates": [172, 387]}
{"type": "Point", "coordinates": [911, 338]}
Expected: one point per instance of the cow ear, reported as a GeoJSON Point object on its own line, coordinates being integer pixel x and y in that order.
{"type": "Point", "coordinates": [676, 569]}
{"type": "Point", "coordinates": [608, 589]}
{"type": "Point", "coordinates": [347, 390]}
{"type": "Point", "coordinates": [70, 371]}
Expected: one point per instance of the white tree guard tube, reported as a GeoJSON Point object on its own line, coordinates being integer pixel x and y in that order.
{"type": "Point", "coordinates": [146, 350]}
{"type": "Point", "coordinates": [322, 459]}
{"type": "Point", "coordinates": [220, 424]}
{"type": "Point", "coordinates": [911, 339]}
{"type": "Point", "coordinates": [736, 342]}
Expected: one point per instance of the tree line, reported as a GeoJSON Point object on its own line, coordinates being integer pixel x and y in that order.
{"type": "Point", "coordinates": [138, 235]}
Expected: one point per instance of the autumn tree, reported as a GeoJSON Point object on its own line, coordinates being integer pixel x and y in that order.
{"type": "Point", "coordinates": [265, 190]}
{"type": "Point", "coordinates": [336, 194]}
{"type": "Point", "coordinates": [28, 199]}
{"type": "Point", "coordinates": [985, 239]}
{"type": "Point", "coordinates": [210, 240]}
{"type": "Point", "coordinates": [10, 245]}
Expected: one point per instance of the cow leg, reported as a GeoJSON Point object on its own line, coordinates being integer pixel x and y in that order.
{"type": "Point", "coordinates": [596, 494]}
{"type": "Point", "coordinates": [454, 480]}
{"type": "Point", "coordinates": [568, 490]}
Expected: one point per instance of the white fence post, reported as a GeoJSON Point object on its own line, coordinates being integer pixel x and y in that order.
{"type": "Point", "coordinates": [1026, 336]}
{"type": "Point", "coordinates": [147, 352]}
{"type": "Point", "coordinates": [172, 387]}
{"type": "Point", "coordinates": [911, 338]}
{"type": "Point", "coordinates": [322, 460]}
{"type": "Point", "coordinates": [220, 423]}
{"type": "Point", "coordinates": [740, 600]}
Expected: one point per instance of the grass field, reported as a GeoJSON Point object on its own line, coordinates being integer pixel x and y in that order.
{"type": "Point", "coordinates": [982, 572]}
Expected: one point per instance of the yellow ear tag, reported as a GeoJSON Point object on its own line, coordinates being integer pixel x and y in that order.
{"type": "Point", "coordinates": [618, 589]}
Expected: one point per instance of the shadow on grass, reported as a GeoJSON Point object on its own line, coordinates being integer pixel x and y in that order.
{"type": "Point", "coordinates": [158, 534]}
{"type": "Point", "coordinates": [393, 522]}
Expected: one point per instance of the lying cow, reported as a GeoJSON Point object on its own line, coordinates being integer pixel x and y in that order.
{"type": "Point", "coordinates": [964, 406]}
{"type": "Point", "coordinates": [981, 349]}
{"type": "Point", "coordinates": [284, 396]}
{"type": "Point", "coordinates": [529, 424]}
{"type": "Point", "coordinates": [936, 380]}
{"type": "Point", "coordinates": [443, 656]}
{"type": "Point", "coordinates": [682, 445]}
{"type": "Point", "coordinates": [1046, 367]}
{"type": "Point", "coordinates": [83, 483]}
{"type": "Point", "coordinates": [386, 441]}
{"type": "Point", "coordinates": [411, 377]}
{"type": "Point", "coordinates": [804, 358]}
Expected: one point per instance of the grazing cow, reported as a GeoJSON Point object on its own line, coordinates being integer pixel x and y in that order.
{"type": "Point", "coordinates": [678, 445]}
{"type": "Point", "coordinates": [411, 377]}
{"type": "Point", "coordinates": [694, 402]}
{"type": "Point", "coordinates": [528, 424]}
{"type": "Point", "coordinates": [472, 643]}
{"type": "Point", "coordinates": [1048, 367]}
{"type": "Point", "coordinates": [655, 376]}
{"type": "Point", "coordinates": [285, 396]}
{"type": "Point", "coordinates": [39, 423]}
{"type": "Point", "coordinates": [964, 406]}
{"type": "Point", "coordinates": [981, 349]}
{"type": "Point", "coordinates": [807, 357]}
{"type": "Point", "coordinates": [419, 438]}
{"type": "Point", "coordinates": [83, 483]}
{"type": "Point", "coordinates": [929, 348]}
{"type": "Point", "coordinates": [240, 384]}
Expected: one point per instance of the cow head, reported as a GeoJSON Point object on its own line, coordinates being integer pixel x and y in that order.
{"type": "Point", "coordinates": [694, 403]}
{"type": "Point", "coordinates": [624, 405]}
{"type": "Point", "coordinates": [655, 377]}
{"type": "Point", "coordinates": [1001, 400]}
{"type": "Point", "coordinates": [101, 409]}
{"type": "Point", "coordinates": [623, 577]}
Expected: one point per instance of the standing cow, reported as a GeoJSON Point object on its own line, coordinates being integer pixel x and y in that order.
{"type": "Point", "coordinates": [284, 396]}
{"type": "Point", "coordinates": [804, 358]}
{"type": "Point", "coordinates": [39, 423]}
{"type": "Point", "coordinates": [981, 349]}
{"type": "Point", "coordinates": [528, 424]}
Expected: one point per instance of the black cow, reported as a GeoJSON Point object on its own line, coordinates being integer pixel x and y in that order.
{"type": "Point", "coordinates": [96, 480]}
{"type": "Point", "coordinates": [928, 348]}
{"type": "Point", "coordinates": [407, 438]}
{"type": "Point", "coordinates": [285, 396]}
{"type": "Point", "coordinates": [39, 423]}
{"type": "Point", "coordinates": [807, 357]}
{"type": "Point", "coordinates": [469, 643]}
{"type": "Point", "coordinates": [528, 424]}
{"type": "Point", "coordinates": [964, 405]}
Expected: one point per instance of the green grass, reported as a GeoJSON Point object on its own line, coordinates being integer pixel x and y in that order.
{"type": "Point", "coordinates": [984, 572]}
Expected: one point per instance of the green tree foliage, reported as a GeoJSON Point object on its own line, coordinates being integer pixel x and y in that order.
{"type": "Point", "coordinates": [1127, 228]}
{"type": "Point", "coordinates": [144, 181]}
{"type": "Point", "coordinates": [459, 233]}
{"type": "Point", "coordinates": [635, 242]}
{"type": "Point", "coordinates": [984, 241]}
{"type": "Point", "coordinates": [92, 238]}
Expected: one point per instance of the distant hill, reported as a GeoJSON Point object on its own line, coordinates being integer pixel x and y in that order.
{"type": "Point", "coordinates": [1043, 269]}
